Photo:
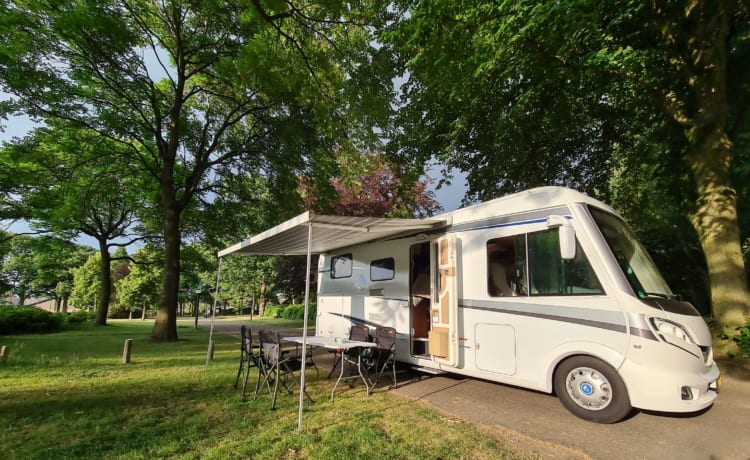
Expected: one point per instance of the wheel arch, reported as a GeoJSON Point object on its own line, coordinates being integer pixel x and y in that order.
{"type": "Point", "coordinates": [595, 350]}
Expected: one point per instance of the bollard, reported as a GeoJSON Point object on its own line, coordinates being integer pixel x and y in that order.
{"type": "Point", "coordinates": [126, 351]}
{"type": "Point", "coordinates": [4, 352]}
{"type": "Point", "coordinates": [211, 350]}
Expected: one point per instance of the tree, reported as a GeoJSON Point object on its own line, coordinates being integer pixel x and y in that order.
{"type": "Point", "coordinates": [65, 188]}
{"type": "Point", "coordinates": [248, 280]}
{"type": "Point", "coordinates": [18, 268]}
{"type": "Point", "coordinates": [521, 94]}
{"type": "Point", "coordinates": [140, 288]}
{"type": "Point", "coordinates": [366, 185]}
{"type": "Point", "coordinates": [87, 283]}
{"type": "Point", "coordinates": [197, 91]}
{"type": "Point", "coordinates": [52, 263]}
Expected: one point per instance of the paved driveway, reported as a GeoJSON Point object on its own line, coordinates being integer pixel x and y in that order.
{"type": "Point", "coordinates": [528, 420]}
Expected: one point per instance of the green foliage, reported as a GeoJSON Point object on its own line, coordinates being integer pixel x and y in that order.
{"type": "Point", "coordinates": [742, 338]}
{"type": "Point", "coordinates": [194, 96]}
{"type": "Point", "coordinates": [78, 316]}
{"type": "Point", "coordinates": [297, 311]}
{"type": "Point", "coordinates": [27, 320]}
{"type": "Point", "coordinates": [86, 283]}
{"type": "Point", "coordinates": [293, 312]}
{"type": "Point", "coordinates": [30, 320]}
{"type": "Point", "coordinates": [644, 102]}
{"type": "Point", "coordinates": [273, 311]}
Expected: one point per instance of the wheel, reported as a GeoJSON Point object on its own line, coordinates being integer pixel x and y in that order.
{"type": "Point", "coordinates": [592, 390]}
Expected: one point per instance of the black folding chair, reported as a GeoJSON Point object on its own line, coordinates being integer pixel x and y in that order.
{"type": "Point", "coordinates": [358, 333]}
{"type": "Point", "coordinates": [276, 367]}
{"type": "Point", "coordinates": [381, 357]}
{"type": "Point", "coordinates": [248, 358]}
{"type": "Point", "coordinates": [309, 363]}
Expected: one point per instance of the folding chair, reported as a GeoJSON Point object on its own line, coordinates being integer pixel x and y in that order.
{"type": "Point", "coordinates": [275, 366]}
{"type": "Point", "coordinates": [382, 356]}
{"type": "Point", "coordinates": [309, 363]}
{"type": "Point", "coordinates": [248, 358]}
{"type": "Point", "coordinates": [358, 333]}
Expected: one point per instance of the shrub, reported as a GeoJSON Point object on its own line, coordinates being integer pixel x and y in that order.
{"type": "Point", "coordinates": [27, 320]}
{"type": "Point", "coordinates": [743, 340]}
{"type": "Point", "coordinates": [272, 311]}
{"type": "Point", "coordinates": [297, 311]}
{"type": "Point", "coordinates": [77, 317]}
{"type": "Point", "coordinates": [119, 312]}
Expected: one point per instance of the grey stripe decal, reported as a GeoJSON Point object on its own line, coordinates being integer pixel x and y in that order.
{"type": "Point", "coordinates": [609, 320]}
{"type": "Point", "coordinates": [639, 326]}
{"type": "Point", "coordinates": [528, 310]}
{"type": "Point", "coordinates": [645, 333]}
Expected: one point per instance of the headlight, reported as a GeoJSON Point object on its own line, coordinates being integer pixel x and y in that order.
{"type": "Point", "coordinates": [669, 329]}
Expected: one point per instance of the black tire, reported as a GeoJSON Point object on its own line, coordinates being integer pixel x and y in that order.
{"type": "Point", "coordinates": [592, 390]}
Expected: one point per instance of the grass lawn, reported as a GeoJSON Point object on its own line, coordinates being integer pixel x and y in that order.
{"type": "Point", "coordinates": [67, 395]}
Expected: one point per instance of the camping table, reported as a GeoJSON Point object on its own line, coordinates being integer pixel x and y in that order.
{"type": "Point", "coordinates": [340, 345]}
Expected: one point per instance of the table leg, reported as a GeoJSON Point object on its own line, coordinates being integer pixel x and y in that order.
{"type": "Point", "coordinates": [341, 373]}
{"type": "Point", "coordinates": [364, 379]}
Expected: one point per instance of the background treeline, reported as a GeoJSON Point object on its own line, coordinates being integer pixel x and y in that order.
{"type": "Point", "coordinates": [183, 127]}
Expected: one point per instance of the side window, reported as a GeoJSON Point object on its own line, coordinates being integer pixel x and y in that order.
{"type": "Point", "coordinates": [341, 266]}
{"type": "Point", "coordinates": [551, 275]}
{"type": "Point", "coordinates": [506, 266]}
{"type": "Point", "coordinates": [382, 269]}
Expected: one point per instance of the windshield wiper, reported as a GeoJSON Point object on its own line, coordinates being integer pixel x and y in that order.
{"type": "Point", "coordinates": [662, 295]}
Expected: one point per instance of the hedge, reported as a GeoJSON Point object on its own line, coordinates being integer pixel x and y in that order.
{"type": "Point", "coordinates": [30, 320]}
{"type": "Point", "coordinates": [296, 311]}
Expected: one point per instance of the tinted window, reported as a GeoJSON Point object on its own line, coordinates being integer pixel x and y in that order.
{"type": "Point", "coordinates": [530, 264]}
{"type": "Point", "coordinates": [551, 275]}
{"type": "Point", "coordinates": [341, 266]}
{"type": "Point", "coordinates": [382, 269]}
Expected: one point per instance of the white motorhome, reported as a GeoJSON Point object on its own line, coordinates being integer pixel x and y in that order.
{"type": "Point", "coordinates": [545, 289]}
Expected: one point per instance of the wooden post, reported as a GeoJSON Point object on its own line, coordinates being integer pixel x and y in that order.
{"type": "Point", "coordinates": [211, 350]}
{"type": "Point", "coordinates": [4, 352]}
{"type": "Point", "coordinates": [126, 351]}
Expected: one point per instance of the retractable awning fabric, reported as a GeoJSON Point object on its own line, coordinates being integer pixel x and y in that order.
{"type": "Point", "coordinates": [329, 233]}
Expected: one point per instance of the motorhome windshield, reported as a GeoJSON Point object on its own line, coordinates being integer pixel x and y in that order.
{"type": "Point", "coordinates": [636, 264]}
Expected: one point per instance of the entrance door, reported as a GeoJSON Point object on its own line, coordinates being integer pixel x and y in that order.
{"type": "Point", "coordinates": [443, 335]}
{"type": "Point", "coordinates": [419, 297]}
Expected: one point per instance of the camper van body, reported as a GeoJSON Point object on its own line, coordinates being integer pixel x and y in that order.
{"type": "Point", "coordinates": [598, 325]}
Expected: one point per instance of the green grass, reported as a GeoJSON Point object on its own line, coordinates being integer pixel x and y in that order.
{"type": "Point", "coordinates": [67, 395]}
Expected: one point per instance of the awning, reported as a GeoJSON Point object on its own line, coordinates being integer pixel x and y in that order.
{"type": "Point", "coordinates": [309, 234]}
{"type": "Point", "coordinates": [329, 233]}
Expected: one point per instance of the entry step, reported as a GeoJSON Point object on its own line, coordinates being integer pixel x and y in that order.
{"type": "Point", "coordinates": [428, 370]}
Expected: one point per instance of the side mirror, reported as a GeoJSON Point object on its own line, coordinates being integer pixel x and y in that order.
{"type": "Point", "coordinates": [566, 234]}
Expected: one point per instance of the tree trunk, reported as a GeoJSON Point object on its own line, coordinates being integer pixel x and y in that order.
{"type": "Point", "coordinates": [105, 285]}
{"type": "Point", "coordinates": [262, 299]}
{"type": "Point", "coordinates": [143, 312]}
{"type": "Point", "coordinates": [710, 156]}
{"type": "Point", "coordinates": [165, 327]}
{"type": "Point", "coordinates": [715, 220]}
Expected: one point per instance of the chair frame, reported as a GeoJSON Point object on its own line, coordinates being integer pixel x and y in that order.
{"type": "Point", "coordinates": [357, 332]}
{"type": "Point", "coordinates": [382, 356]}
{"type": "Point", "coordinates": [248, 358]}
{"type": "Point", "coordinates": [276, 366]}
